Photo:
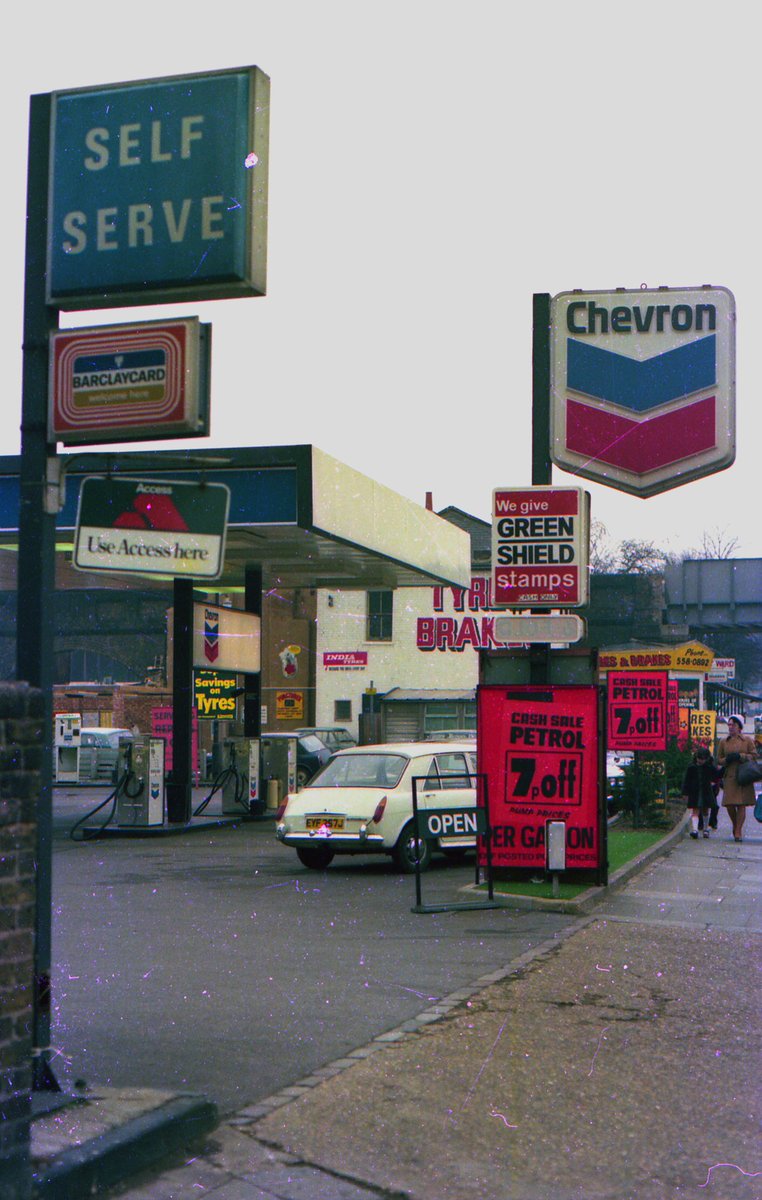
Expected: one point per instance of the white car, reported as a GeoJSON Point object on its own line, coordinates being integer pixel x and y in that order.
{"type": "Point", "coordinates": [361, 802]}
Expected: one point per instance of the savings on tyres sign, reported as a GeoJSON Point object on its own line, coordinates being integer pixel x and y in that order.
{"type": "Point", "coordinates": [159, 190]}
{"type": "Point", "coordinates": [643, 385]}
{"type": "Point", "coordinates": [538, 746]}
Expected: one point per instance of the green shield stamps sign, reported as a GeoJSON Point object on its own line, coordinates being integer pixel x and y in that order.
{"type": "Point", "coordinates": [153, 527]}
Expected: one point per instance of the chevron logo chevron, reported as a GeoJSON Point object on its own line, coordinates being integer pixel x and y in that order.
{"type": "Point", "coordinates": [641, 386]}
{"type": "Point", "coordinates": [640, 446]}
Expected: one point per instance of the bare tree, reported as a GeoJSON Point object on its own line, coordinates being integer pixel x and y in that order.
{"type": "Point", "coordinates": [637, 557]}
{"type": "Point", "coordinates": [603, 558]}
{"type": "Point", "coordinates": [715, 543]}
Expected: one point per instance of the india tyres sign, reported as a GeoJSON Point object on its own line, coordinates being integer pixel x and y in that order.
{"type": "Point", "coordinates": [158, 190]}
{"type": "Point", "coordinates": [643, 385]}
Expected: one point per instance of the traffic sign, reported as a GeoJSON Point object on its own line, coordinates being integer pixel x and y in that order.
{"type": "Point", "coordinates": [545, 627]}
{"type": "Point", "coordinates": [116, 383]}
{"type": "Point", "coordinates": [158, 190]}
{"type": "Point", "coordinates": [540, 543]}
{"type": "Point", "coordinates": [151, 527]}
{"type": "Point", "coordinates": [643, 385]}
{"type": "Point", "coordinates": [637, 710]}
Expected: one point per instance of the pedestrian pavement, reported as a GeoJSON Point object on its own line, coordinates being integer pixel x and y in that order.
{"type": "Point", "coordinates": [619, 1060]}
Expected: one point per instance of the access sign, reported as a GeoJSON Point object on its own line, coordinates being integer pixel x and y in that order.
{"type": "Point", "coordinates": [540, 544]}
{"type": "Point", "coordinates": [152, 527]}
{"type": "Point", "coordinates": [637, 710]}
{"type": "Point", "coordinates": [643, 385]}
{"type": "Point", "coordinates": [158, 190]}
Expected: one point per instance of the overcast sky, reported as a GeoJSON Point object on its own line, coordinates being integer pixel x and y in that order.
{"type": "Point", "coordinates": [432, 166]}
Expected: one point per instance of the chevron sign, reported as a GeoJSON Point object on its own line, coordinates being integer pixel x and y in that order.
{"type": "Point", "coordinates": [643, 386]}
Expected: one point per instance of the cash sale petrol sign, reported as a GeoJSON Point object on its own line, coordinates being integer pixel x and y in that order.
{"type": "Point", "coordinates": [643, 385]}
{"type": "Point", "coordinates": [638, 703]}
{"type": "Point", "coordinates": [540, 547]}
{"type": "Point", "coordinates": [538, 746]}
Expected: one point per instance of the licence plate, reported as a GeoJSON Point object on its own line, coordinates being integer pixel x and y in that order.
{"type": "Point", "coordinates": [324, 823]}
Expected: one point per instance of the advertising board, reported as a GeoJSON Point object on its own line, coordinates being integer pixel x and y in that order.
{"type": "Point", "coordinates": [702, 726]}
{"type": "Point", "coordinates": [226, 639]}
{"type": "Point", "coordinates": [158, 190]}
{"type": "Point", "coordinates": [538, 746]}
{"type": "Point", "coordinates": [540, 545]}
{"type": "Point", "coordinates": [637, 710]}
{"type": "Point", "coordinates": [643, 385]}
{"type": "Point", "coordinates": [118, 383]}
{"type": "Point", "coordinates": [215, 693]}
{"type": "Point", "coordinates": [152, 527]}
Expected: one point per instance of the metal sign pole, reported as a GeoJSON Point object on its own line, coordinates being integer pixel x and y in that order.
{"type": "Point", "coordinates": [417, 839]}
{"type": "Point", "coordinates": [36, 559]}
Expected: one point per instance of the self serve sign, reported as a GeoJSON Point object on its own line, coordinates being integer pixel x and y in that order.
{"type": "Point", "coordinates": [643, 385]}
{"type": "Point", "coordinates": [540, 547]}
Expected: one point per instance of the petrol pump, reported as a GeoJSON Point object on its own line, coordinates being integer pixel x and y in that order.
{"type": "Point", "coordinates": [278, 768]}
{"type": "Point", "coordinates": [140, 798]}
{"type": "Point", "coordinates": [67, 731]}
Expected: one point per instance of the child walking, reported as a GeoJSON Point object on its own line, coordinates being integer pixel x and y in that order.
{"type": "Point", "coordinates": [698, 789]}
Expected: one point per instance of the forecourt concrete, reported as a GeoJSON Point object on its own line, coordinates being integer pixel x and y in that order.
{"type": "Point", "coordinates": [621, 1061]}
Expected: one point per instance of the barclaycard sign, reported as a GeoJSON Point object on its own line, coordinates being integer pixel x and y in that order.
{"type": "Point", "coordinates": [643, 385]}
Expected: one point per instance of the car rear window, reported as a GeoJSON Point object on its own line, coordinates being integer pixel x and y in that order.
{"type": "Point", "coordinates": [311, 743]}
{"type": "Point", "coordinates": [361, 770]}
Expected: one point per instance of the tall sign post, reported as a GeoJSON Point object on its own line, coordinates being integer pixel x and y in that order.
{"type": "Point", "coordinates": [129, 191]}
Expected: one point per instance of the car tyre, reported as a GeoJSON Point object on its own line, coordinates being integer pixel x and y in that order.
{"type": "Point", "coordinates": [317, 858]}
{"type": "Point", "coordinates": [407, 851]}
{"type": "Point", "coordinates": [302, 777]}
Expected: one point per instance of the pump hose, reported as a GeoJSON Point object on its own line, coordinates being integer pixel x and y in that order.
{"type": "Point", "coordinates": [88, 834]}
{"type": "Point", "coordinates": [231, 771]}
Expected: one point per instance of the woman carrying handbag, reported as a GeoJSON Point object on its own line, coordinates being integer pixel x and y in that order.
{"type": "Point", "coordinates": [734, 750]}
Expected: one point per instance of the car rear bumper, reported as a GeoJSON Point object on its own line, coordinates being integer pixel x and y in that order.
{"type": "Point", "coordinates": [347, 843]}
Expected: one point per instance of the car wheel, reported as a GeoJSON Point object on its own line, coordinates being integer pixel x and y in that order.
{"type": "Point", "coordinates": [316, 858]}
{"type": "Point", "coordinates": [408, 851]}
{"type": "Point", "coordinates": [302, 777]}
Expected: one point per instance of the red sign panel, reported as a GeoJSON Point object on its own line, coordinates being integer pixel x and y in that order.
{"type": "Point", "coordinates": [637, 710]}
{"type": "Point", "coordinates": [540, 547]}
{"type": "Point", "coordinates": [161, 726]}
{"type": "Point", "coordinates": [345, 660]}
{"type": "Point", "coordinates": [673, 709]}
{"type": "Point", "coordinates": [538, 747]}
{"type": "Point", "coordinates": [114, 383]}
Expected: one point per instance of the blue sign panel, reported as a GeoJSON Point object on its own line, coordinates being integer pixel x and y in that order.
{"type": "Point", "coordinates": [159, 190]}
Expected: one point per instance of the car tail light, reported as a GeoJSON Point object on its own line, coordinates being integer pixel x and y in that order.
{"type": "Point", "coordinates": [281, 810]}
{"type": "Point", "coordinates": [380, 807]}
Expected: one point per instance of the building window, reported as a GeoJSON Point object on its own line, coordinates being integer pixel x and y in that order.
{"type": "Point", "coordinates": [380, 616]}
{"type": "Point", "coordinates": [342, 710]}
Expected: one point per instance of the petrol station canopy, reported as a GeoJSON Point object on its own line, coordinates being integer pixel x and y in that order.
{"type": "Point", "coordinates": [304, 518]}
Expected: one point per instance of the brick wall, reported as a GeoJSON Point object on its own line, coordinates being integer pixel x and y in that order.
{"type": "Point", "coordinates": [21, 717]}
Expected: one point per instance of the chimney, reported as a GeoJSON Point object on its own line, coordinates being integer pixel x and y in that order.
{"type": "Point", "coordinates": [430, 501]}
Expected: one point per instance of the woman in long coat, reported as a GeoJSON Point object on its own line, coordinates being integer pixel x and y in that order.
{"type": "Point", "coordinates": [733, 750]}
